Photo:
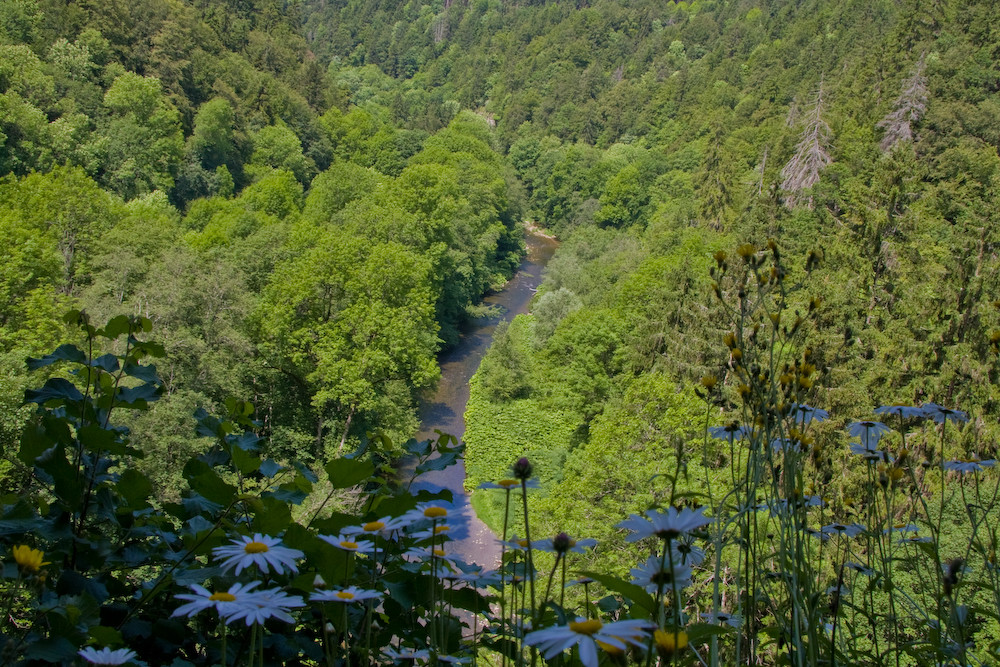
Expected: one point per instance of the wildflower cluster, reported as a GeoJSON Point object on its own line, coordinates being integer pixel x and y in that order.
{"type": "Point", "coordinates": [769, 560]}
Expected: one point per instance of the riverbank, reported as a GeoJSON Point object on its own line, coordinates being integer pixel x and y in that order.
{"type": "Point", "coordinates": [444, 411]}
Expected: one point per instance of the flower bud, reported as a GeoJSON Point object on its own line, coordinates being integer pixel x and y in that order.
{"type": "Point", "coordinates": [522, 469]}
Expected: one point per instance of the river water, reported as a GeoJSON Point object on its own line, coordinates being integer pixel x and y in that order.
{"type": "Point", "coordinates": [444, 411]}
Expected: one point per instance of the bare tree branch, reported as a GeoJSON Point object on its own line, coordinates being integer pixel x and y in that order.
{"type": "Point", "coordinates": [811, 154]}
{"type": "Point", "coordinates": [908, 109]}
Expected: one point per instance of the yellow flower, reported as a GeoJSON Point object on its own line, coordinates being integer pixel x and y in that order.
{"type": "Point", "coordinates": [434, 512]}
{"type": "Point", "coordinates": [612, 651]}
{"type": "Point", "coordinates": [708, 382]}
{"type": "Point", "coordinates": [746, 251]}
{"type": "Point", "coordinates": [668, 643]}
{"type": "Point", "coordinates": [588, 627]}
{"type": "Point", "coordinates": [28, 559]}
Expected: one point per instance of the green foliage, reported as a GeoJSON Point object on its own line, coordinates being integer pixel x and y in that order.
{"type": "Point", "coordinates": [142, 139]}
{"type": "Point", "coordinates": [504, 374]}
{"type": "Point", "coordinates": [93, 559]}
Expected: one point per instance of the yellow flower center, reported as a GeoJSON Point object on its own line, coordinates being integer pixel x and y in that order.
{"type": "Point", "coordinates": [523, 543]}
{"type": "Point", "coordinates": [508, 483]}
{"type": "Point", "coordinates": [441, 529]}
{"type": "Point", "coordinates": [349, 545]}
{"type": "Point", "coordinates": [670, 642]}
{"type": "Point", "coordinates": [435, 512]}
{"type": "Point", "coordinates": [255, 548]}
{"type": "Point", "coordinates": [345, 595]}
{"type": "Point", "coordinates": [610, 649]}
{"type": "Point", "coordinates": [588, 627]}
{"type": "Point", "coordinates": [373, 526]}
{"type": "Point", "coordinates": [27, 558]}
{"type": "Point", "coordinates": [222, 597]}
{"type": "Point", "coordinates": [439, 553]}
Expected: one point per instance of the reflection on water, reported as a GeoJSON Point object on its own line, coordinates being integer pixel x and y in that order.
{"type": "Point", "coordinates": [445, 410]}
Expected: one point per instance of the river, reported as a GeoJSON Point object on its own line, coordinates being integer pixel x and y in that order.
{"type": "Point", "coordinates": [444, 411]}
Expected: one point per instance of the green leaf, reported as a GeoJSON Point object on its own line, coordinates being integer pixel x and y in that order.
{"type": "Point", "coordinates": [115, 327]}
{"type": "Point", "coordinates": [417, 447]}
{"type": "Point", "coordinates": [105, 636]}
{"type": "Point", "coordinates": [345, 473]}
{"type": "Point", "coordinates": [245, 461]}
{"type": "Point", "coordinates": [438, 462]}
{"type": "Point", "coordinates": [270, 468]}
{"type": "Point", "coordinates": [138, 396]}
{"type": "Point", "coordinates": [144, 372]}
{"type": "Point", "coordinates": [39, 437]}
{"type": "Point", "coordinates": [94, 438]}
{"type": "Point", "coordinates": [52, 650]}
{"type": "Point", "coordinates": [274, 518]}
{"type": "Point", "coordinates": [107, 362]}
{"type": "Point", "coordinates": [207, 483]}
{"type": "Point", "coordinates": [248, 441]}
{"type": "Point", "coordinates": [702, 632]}
{"type": "Point", "coordinates": [62, 353]}
{"type": "Point", "coordinates": [54, 389]}
{"type": "Point", "coordinates": [134, 487]}
{"type": "Point", "coordinates": [628, 590]}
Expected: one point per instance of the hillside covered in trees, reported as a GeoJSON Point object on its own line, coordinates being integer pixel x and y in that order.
{"type": "Point", "coordinates": [308, 199]}
{"type": "Point", "coordinates": [196, 164]}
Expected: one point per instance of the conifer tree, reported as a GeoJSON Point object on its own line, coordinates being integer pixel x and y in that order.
{"type": "Point", "coordinates": [908, 108]}
{"type": "Point", "coordinates": [811, 154]}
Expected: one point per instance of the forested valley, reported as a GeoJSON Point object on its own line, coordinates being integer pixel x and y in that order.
{"type": "Point", "coordinates": [763, 209]}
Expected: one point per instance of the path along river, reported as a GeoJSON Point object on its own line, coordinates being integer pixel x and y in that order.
{"type": "Point", "coordinates": [444, 411]}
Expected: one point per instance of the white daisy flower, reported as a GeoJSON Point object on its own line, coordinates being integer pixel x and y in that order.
{"type": "Point", "coordinates": [722, 618]}
{"type": "Point", "coordinates": [651, 576]}
{"type": "Point", "coordinates": [224, 603]}
{"type": "Point", "coordinates": [901, 411]}
{"type": "Point", "coordinates": [861, 569]}
{"type": "Point", "coordinates": [805, 414]}
{"type": "Point", "coordinates": [850, 530]}
{"type": "Point", "coordinates": [349, 543]}
{"type": "Point", "coordinates": [106, 656]}
{"type": "Point", "coordinates": [433, 511]}
{"type": "Point", "coordinates": [868, 431]}
{"type": "Point", "coordinates": [510, 484]}
{"type": "Point", "coordinates": [384, 527]}
{"type": "Point", "coordinates": [349, 594]}
{"type": "Point", "coordinates": [439, 531]}
{"type": "Point", "coordinates": [516, 542]}
{"type": "Point", "coordinates": [425, 554]}
{"type": "Point", "coordinates": [415, 655]}
{"type": "Point", "coordinates": [973, 464]}
{"type": "Point", "coordinates": [941, 414]}
{"type": "Point", "coordinates": [869, 453]}
{"type": "Point", "coordinates": [270, 603]}
{"type": "Point", "coordinates": [585, 634]}
{"type": "Point", "coordinates": [686, 552]}
{"type": "Point", "coordinates": [665, 525]}
{"type": "Point", "coordinates": [477, 576]}
{"type": "Point", "coordinates": [562, 543]}
{"type": "Point", "coordinates": [263, 551]}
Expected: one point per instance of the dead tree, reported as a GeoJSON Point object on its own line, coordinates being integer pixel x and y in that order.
{"type": "Point", "coordinates": [811, 155]}
{"type": "Point", "coordinates": [908, 108]}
